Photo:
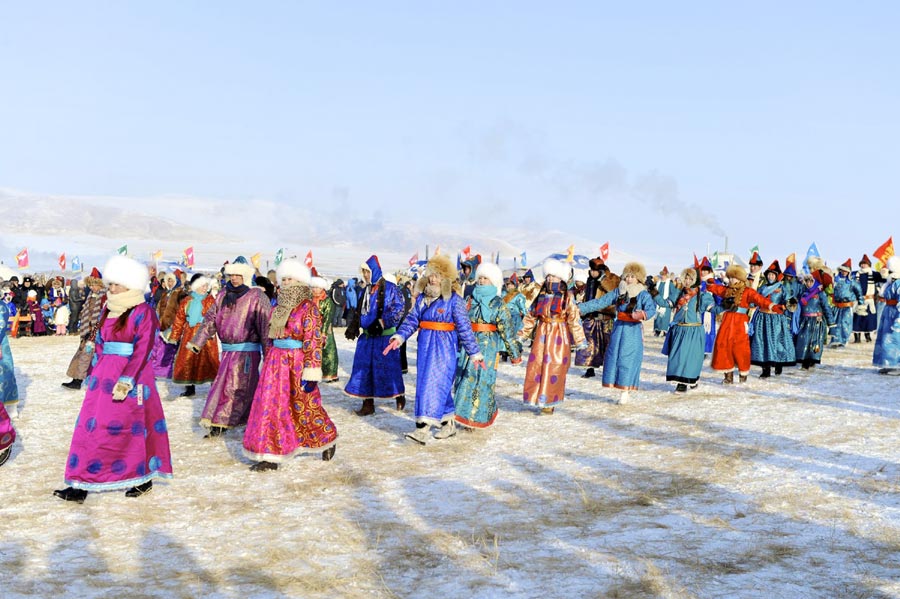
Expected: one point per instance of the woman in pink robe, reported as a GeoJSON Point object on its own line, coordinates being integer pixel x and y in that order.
{"type": "Point", "coordinates": [121, 440]}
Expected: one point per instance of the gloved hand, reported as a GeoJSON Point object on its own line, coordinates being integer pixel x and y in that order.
{"type": "Point", "coordinates": [193, 348]}
{"type": "Point", "coordinates": [707, 322]}
{"type": "Point", "coordinates": [120, 391]}
{"type": "Point", "coordinates": [308, 386]}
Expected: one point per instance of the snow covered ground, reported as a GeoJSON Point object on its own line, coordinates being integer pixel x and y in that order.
{"type": "Point", "coordinates": [787, 488]}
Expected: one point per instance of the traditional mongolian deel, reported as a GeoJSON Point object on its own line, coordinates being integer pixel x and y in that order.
{"type": "Point", "coordinates": [9, 390]}
{"type": "Point", "coordinates": [686, 338]}
{"type": "Point", "coordinates": [191, 368]}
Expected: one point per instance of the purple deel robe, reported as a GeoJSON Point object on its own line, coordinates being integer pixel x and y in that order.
{"type": "Point", "coordinates": [120, 444]}
{"type": "Point", "coordinates": [247, 321]}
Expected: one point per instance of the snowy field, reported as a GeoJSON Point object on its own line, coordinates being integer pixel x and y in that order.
{"type": "Point", "coordinates": [787, 488]}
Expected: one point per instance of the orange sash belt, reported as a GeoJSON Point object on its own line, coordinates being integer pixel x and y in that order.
{"type": "Point", "coordinates": [625, 317]}
{"type": "Point", "coordinates": [552, 319]}
{"type": "Point", "coordinates": [890, 302]}
{"type": "Point", "coordinates": [483, 327]}
{"type": "Point", "coordinates": [842, 304]}
{"type": "Point", "coordinates": [432, 325]}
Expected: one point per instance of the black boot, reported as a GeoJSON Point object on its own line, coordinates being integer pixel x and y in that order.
{"type": "Point", "coordinates": [215, 431]}
{"type": "Point", "coordinates": [263, 466]}
{"type": "Point", "coordinates": [856, 337]}
{"type": "Point", "coordinates": [70, 494]}
{"type": "Point", "coordinates": [680, 388]}
{"type": "Point", "coordinates": [729, 378]}
{"type": "Point", "coordinates": [589, 373]}
{"type": "Point", "coordinates": [189, 391]}
{"type": "Point", "coordinates": [868, 337]}
{"type": "Point", "coordinates": [368, 407]}
{"type": "Point", "coordinates": [777, 370]}
{"type": "Point", "coordinates": [73, 384]}
{"type": "Point", "coordinates": [4, 455]}
{"type": "Point", "coordinates": [766, 372]}
{"type": "Point", "coordinates": [329, 453]}
{"type": "Point", "coordinates": [401, 403]}
{"type": "Point", "coordinates": [140, 489]}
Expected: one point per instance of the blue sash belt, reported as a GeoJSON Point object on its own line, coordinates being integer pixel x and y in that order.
{"type": "Point", "coordinates": [287, 343]}
{"type": "Point", "coordinates": [117, 348]}
{"type": "Point", "coordinates": [243, 347]}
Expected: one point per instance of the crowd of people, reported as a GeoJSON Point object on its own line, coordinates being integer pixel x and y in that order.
{"type": "Point", "coordinates": [266, 342]}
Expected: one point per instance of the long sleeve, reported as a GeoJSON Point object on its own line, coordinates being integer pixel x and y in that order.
{"type": "Point", "coordinates": [464, 327]}
{"type": "Point", "coordinates": [573, 319]}
{"type": "Point", "coordinates": [607, 299]}
{"type": "Point", "coordinates": [308, 330]}
{"type": "Point", "coordinates": [178, 325]}
{"type": "Point", "coordinates": [504, 324]}
{"type": "Point", "coordinates": [207, 328]}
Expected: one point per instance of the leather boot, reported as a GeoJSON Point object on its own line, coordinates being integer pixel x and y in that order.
{"type": "Point", "coordinates": [70, 494]}
{"type": "Point", "coordinates": [4, 455]}
{"type": "Point", "coordinates": [742, 378]}
{"type": "Point", "coordinates": [729, 378]}
{"type": "Point", "coordinates": [680, 388]}
{"type": "Point", "coordinates": [777, 370]}
{"type": "Point", "coordinates": [589, 373]}
{"type": "Point", "coordinates": [329, 453]}
{"type": "Point", "coordinates": [189, 391]}
{"type": "Point", "coordinates": [367, 407]}
{"type": "Point", "coordinates": [401, 403]}
{"type": "Point", "coordinates": [766, 372]}
{"type": "Point", "coordinates": [856, 337]}
{"type": "Point", "coordinates": [73, 384]}
{"type": "Point", "coordinates": [868, 337]}
{"type": "Point", "coordinates": [140, 489]}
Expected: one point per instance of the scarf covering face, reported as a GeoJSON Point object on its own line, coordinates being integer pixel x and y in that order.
{"type": "Point", "coordinates": [483, 294]}
{"type": "Point", "coordinates": [810, 293]}
{"type": "Point", "coordinates": [551, 301]}
{"type": "Point", "coordinates": [288, 299]}
{"type": "Point", "coordinates": [195, 308]}
{"type": "Point", "coordinates": [232, 293]}
{"type": "Point", "coordinates": [118, 303]}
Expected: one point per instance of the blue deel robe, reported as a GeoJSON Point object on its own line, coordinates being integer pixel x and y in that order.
{"type": "Point", "coordinates": [517, 308]}
{"type": "Point", "coordinates": [865, 319]}
{"type": "Point", "coordinates": [686, 340]}
{"type": "Point", "coordinates": [375, 375]}
{"type": "Point", "coordinates": [625, 352]}
{"type": "Point", "coordinates": [665, 301]}
{"type": "Point", "coordinates": [887, 343]}
{"type": "Point", "coordinates": [846, 291]}
{"type": "Point", "coordinates": [811, 321]}
{"type": "Point", "coordinates": [436, 354]}
{"type": "Point", "coordinates": [772, 343]}
{"type": "Point", "coordinates": [9, 390]}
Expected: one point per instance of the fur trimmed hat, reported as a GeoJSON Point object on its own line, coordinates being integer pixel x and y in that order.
{"type": "Point", "coordinates": [127, 272]}
{"type": "Point", "coordinates": [580, 275]}
{"type": "Point", "coordinates": [635, 269]}
{"type": "Point", "coordinates": [865, 260]}
{"type": "Point", "coordinates": [558, 269]}
{"type": "Point", "coordinates": [294, 269]}
{"type": "Point", "coordinates": [893, 265]}
{"type": "Point", "coordinates": [815, 263]}
{"type": "Point", "coordinates": [847, 265]}
{"type": "Point", "coordinates": [319, 283]}
{"type": "Point", "coordinates": [241, 266]}
{"type": "Point", "coordinates": [442, 266]}
{"type": "Point", "coordinates": [664, 272]}
{"type": "Point", "coordinates": [95, 278]}
{"type": "Point", "coordinates": [596, 263]}
{"type": "Point", "coordinates": [755, 259]}
{"type": "Point", "coordinates": [737, 272]}
{"type": "Point", "coordinates": [690, 274]}
{"type": "Point", "coordinates": [492, 272]}
{"type": "Point", "coordinates": [198, 281]}
{"type": "Point", "coordinates": [774, 267]}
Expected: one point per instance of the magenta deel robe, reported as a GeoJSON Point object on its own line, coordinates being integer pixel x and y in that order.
{"type": "Point", "coordinates": [121, 444]}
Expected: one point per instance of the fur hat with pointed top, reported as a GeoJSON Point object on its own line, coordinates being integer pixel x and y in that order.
{"type": "Point", "coordinates": [127, 272]}
{"type": "Point", "coordinates": [635, 269]}
{"type": "Point", "coordinates": [865, 260]}
{"type": "Point", "coordinates": [755, 259]}
{"type": "Point", "coordinates": [847, 265]}
{"type": "Point", "coordinates": [774, 267]}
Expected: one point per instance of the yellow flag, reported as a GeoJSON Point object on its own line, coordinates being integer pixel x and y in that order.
{"type": "Point", "coordinates": [157, 255]}
{"type": "Point", "coordinates": [255, 260]}
{"type": "Point", "coordinates": [437, 251]}
{"type": "Point", "coordinates": [571, 254]}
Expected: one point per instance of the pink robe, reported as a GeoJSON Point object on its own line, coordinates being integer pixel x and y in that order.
{"type": "Point", "coordinates": [284, 419]}
{"type": "Point", "coordinates": [120, 444]}
{"type": "Point", "coordinates": [7, 432]}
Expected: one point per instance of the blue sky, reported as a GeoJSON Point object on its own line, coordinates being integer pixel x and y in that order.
{"type": "Point", "coordinates": [658, 126]}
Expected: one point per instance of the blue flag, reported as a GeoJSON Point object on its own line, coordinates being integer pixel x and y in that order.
{"type": "Point", "coordinates": [812, 252]}
{"type": "Point", "coordinates": [524, 261]}
{"type": "Point", "coordinates": [76, 264]}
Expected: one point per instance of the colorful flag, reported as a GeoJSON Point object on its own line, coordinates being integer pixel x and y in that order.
{"type": "Point", "coordinates": [812, 252]}
{"type": "Point", "coordinates": [524, 259]}
{"type": "Point", "coordinates": [279, 256]}
{"type": "Point", "coordinates": [309, 259]}
{"type": "Point", "coordinates": [157, 255]}
{"type": "Point", "coordinates": [715, 260]}
{"type": "Point", "coordinates": [755, 248]}
{"type": "Point", "coordinates": [885, 251]}
{"type": "Point", "coordinates": [255, 258]}
{"type": "Point", "coordinates": [189, 257]}
{"type": "Point", "coordinates": [604, 251]}
{"type": "Point", "coordinates": [437, 251]}
{"type": "Point", "coordinates": [62, 261]}
{"type": "Point", "coordinates": [123, 251]}
{"type": "Point", "coordinates": [570, 254]}
{"type": "Point", "coordinates": [696, 261]}
{"type": "Point", "coordinates": [466, 251]}
{"type": "Point", "coordinates": [414, 258]}
{"type": "Point", "coordinates": [76, 264]}
{"type": "Point", "coordinates": [22, 258]}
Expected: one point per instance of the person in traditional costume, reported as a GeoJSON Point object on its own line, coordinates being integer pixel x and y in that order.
{"type": "Point", "coordinates": [755, 277]}
{"type": "Point", "coordinates": [732, 349]}
{"type": "Point", "coordinates": [865, 314]}
{"type": "Point", "coordinates": [531, 287]}
{"type": "Point", "coordinates": [439, 316]}
{"type": "Point", "coordinates": [553, 324]}
{"type": "Point", "coordinates": [7, 435]}
{"type": "Point", "coordinates": [771, 341]}
{"type": "Point", "coordinates": [792, 289]}
{"type": "Point", "coordinates": [33, 307]}
{"type": "Point", "coordinates": [89, 325]}
{"type": "Point", "coordinates": [9, 389]}
{"type": "Point", "coordinates": [886, 354]}
{"type": "Point", "coordinates": [320, 290]}
{"type": "Point", "coordinates": [707, 276]}
{"type": "Point", "coordinates": [625, 352]}
{"type": "Point", "coordinates": [597, 326]}
{"type": "Point", "coordinates": [845, 297]}
{"type": "Point", "coordinates": [685, 342]}
{"type": "Point", "coordinates": [121, 440]}
{"type": "Point", "coordinates": [666, 294]}
{"type": "Point", "coordinates": [240, 317]}
{"type": "Point", "coordinates": [287, 417]}
{"type": "Point", "coordinates": [473, 387]}
{"type": "Point", "coordinates": [375, 374]}
{"type": "Point", "coordinates": [188, 368]}
{"type": "Point", "coordinates": [812, 319]}
{"type": "Point", "coordinates": [163, 356]}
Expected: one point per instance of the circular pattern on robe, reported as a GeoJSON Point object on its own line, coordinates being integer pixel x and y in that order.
{"type": "Point", "coordinates": [559, 340]}
{"type": "Point", "coordinates": [118, 467]}
{"type": "Point", "coordinates": [73, 461]}
{"type": "Point", "coordinates": [107, 385]}
{"type": "Point", "coordinates": [565, 360]}
{"type": "Point", "coordinates": [5, 439]}
{"type": "Point", "coordinates": [138, 429]}
{"type": "Point", "coordinates": [537, 378]}
{"type": "Point", "coordinates": [140, 470]}
{"type": "Point", "coordinates": [546, 358]}
{"type": "Point", "coordinates": [160, 426]}
{"type": "Point", "coordinates": [531, 357]}
{"type": "Point", "coordinates": [155, 463]}
{"type": "Point", "coordinates": [91, 425]}
{"type": "Point", "coordinates": [115, 428]}
{"type": "Point", "coordinates": [553, 379]}
{"type": "Point", "coordinates": [95, 466]}
{"type": "Point", "coordinates": [91, 382]}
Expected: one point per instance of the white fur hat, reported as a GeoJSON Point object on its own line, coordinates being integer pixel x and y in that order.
{"type": "Point", "coordinates": [198, 282]}
{"type": "Point", "coordinates": [319, 283]}
{"type": "Point", "coordinates": [492, 272]}
{"type": "Point", "coordinates": [293, 269]}
{"type": "Point", "coordinates": [242, 267]}
{"type": "Point", "coordinates": [893, 265]}
{"type": "Point", "coordinates": [557, 269]}
{"type": "Point", "coordinates": [581, 275]}
{"type": "Point", "coordinates": [126, 272]}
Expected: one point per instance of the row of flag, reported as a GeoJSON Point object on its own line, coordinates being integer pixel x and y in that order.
{"type": "Point", "coordinates": [521, 259]}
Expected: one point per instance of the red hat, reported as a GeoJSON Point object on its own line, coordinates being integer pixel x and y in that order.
{"type": "Point", "coordinates": [705, 264]}
{"type": "Point", "coordinates": [865, 260]}
{"type": "Point", "coordinates": [848, 265]}
{"type": "Point", "coordinates": [755, 259]}
{"type": "Point", "coordinates": [313, 272]}
{"type": "Point", "coordinates": [514, 279]}
{"type": "Point", "coordinates": [774, 267]}
{"type": "Point", "coordinates": [825, 279]}
{"type": "Point", "coordinates": [664, 271]}
{"type": "Point", "coordinates": [96, 273]}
